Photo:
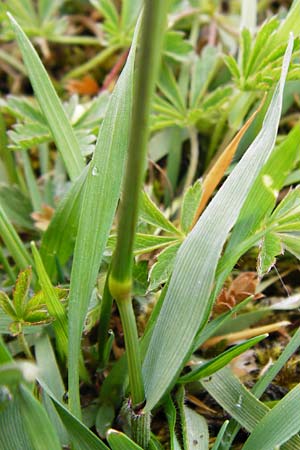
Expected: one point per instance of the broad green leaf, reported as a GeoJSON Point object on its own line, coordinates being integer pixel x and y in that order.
{"type": "Point", "coordinates": [270, 248]}
{"type": "Point", "coordinates": [240, 403]}
{"type": "Point", "coordinates": [187, 304]}
{"type": "Point", "coordinates": [278, 425]}
{"type": "Point", "coordinates": [119, 441]}
{"type": "Point", "coordinates": [194, 427]}
{"type": "Point", "coordinates": [51, 106]}
{"type": "Point", "coordinates": [196, 430]}
{"type": "Point", "coordinates": [190, 203]}
{"type": "Point", "coordinates": [13, 243]}
{"type": "Point", "coordinates": [162, 269]}
{"type": "Point", "coordinates": [100, 198]}
{"type": "Point", "coordinates": [208, 368]}
{"type": "Point", "coordinates": [151, 214]}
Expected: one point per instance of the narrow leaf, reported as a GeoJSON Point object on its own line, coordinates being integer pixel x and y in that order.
{"type": "Point", "coordinates": [79, 434]}
{"type": "Point", "coordinates": [208, 368]}
{"type": "Point", "coordinates": [100, 198]}
{"type": "Point", "coordinates": [37, 423]}
{"type": "Point", "coordinates": [50, 104]}
{"type": "Point", "coordinates": [119, 441]}
{"type": "Point", "coordinates": [13, 243]}
{"type": "Point", "coordinates": [218, 169]}
{"type": "Point", "coordinates": [278, 425]}
{"type": "Point", "coordinates": [187, 304]}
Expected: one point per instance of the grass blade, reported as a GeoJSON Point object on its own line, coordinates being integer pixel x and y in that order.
{"type": "Point", "coordinates": [217, 363]}
{"type": "Point", "coordinates": [100, 197]}
{"type": "Point", "coordinates": [80, 435]}
{"type": "Point", "coordinates": [187, 304]}
{"type": "Point", "coordinates": [13, 243]}
{"type": "Point", "coordinates": [119, 441]}
{"type": "Point", "coordinates": [240, 403]}
{"type": "Point", "coordinates": [50, 104]}
{"type": "Point", "coordinates": [273, 431]}
{"type": "Point", "coordinates": [194, 427]}
{"type": "Point", "coordinates": [35, 418]}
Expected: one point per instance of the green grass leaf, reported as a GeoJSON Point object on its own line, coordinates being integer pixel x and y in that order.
{"type": "Point", "coordinates": [194, 427]}
{"type": "Point", "coordinates": [278, 425]}
{"type": "Point", "coordinates": [208, 368]}
{"type": "Point", "coordinates": [240, 403]}
{"type": "Point", "coordinates": [100, 198]}
{"type": "Point", "coordinates": [80, 435]}
{"type": "Point", "coordinates": [119, 441]}
{"type": "Point", "coordinates": [13, 243]}
{"type": "Point", "coordinates": [50, 104]}
{"type": "Point", "coordinates": [187, 303]}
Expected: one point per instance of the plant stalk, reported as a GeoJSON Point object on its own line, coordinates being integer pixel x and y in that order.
{"type": "Point", "coordinates": [120, 279]}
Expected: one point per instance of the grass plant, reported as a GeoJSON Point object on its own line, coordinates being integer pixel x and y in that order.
{"type": "Point", "coordinates": [140, 224]}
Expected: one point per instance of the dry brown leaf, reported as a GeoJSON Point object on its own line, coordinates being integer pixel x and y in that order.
{"type": "Point", "coordinates": [86, 86]}
{"type": "Point", "coordinates": [241, 287]}
{"type": "Point", "coordinates": [231, 338]}
{"type": "Point", "coordinates": [217, 171]}
{"type": "Point", "coordinates": [43, 218]}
